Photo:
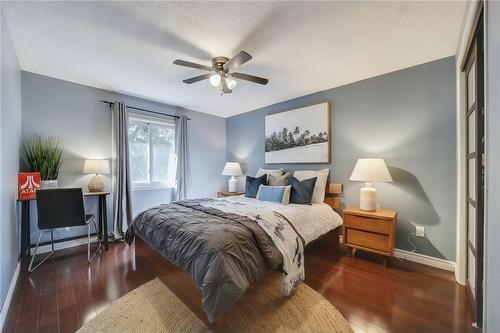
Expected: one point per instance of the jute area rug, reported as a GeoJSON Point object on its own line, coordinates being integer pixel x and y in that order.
{"type": "Point", "coordinates": [153, 307]}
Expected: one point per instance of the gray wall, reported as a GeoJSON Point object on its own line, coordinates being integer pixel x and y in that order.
{"type": "Point", "coordinates": [10, 138]}
{"type": "Point", "coordinates": [406, 117]}
{"type": "Point", "coordinates": [492, 231]}
{"type": "Point", "coordinates": [73, 113]}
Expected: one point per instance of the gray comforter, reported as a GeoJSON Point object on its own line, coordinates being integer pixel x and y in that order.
{"type": "Point", "coordinates": [224, 253]}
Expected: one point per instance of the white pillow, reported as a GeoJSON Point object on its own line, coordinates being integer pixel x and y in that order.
{"type": "Point", "coordinates": [276, 173]}
{"type": "Point", "coordinates": [319, 187]}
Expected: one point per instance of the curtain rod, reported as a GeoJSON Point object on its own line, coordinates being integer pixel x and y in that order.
{"type": "Point", "coordinates": [134, 108]}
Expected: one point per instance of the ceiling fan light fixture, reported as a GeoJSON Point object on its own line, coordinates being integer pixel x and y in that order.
{"type": "Point", "coordinates": [215, 80]}
{"type": "Point", "coordinates": [231, 83]}
{"type": "Point", "coordinates": [221, 74]}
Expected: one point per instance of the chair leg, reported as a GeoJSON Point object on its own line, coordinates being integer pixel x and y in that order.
{"type": "Point", "coordinates": [90, 258]}
{"type": "Point", "coordinates": [30, 268]}
{"type": "Point", "coordinates": [88, 242]}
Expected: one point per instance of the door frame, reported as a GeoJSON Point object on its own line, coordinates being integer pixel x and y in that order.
{"type": "Point", "coordinates": [476, 48]}
{"type": "Point", "coordinates": [471, 18]}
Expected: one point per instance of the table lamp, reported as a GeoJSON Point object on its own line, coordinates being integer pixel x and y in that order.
{"type": "Point", "coordinates": [370, 170]}
{"type": "Point", "coordinates": [232, 169]}
{"type": "Point", "coordinates": [99, 168]}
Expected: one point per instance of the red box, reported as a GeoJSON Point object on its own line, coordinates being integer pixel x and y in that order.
{"type": "Point", "coordinates": [28, 182]}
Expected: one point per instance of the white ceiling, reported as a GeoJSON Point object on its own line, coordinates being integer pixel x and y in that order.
{"type": "Point", "coordinates": [301, 47]}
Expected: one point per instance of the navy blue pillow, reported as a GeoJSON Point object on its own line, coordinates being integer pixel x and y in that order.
{"type": "Point", "coordinates": [302, 191]}
{"type": "Point", "coordinates": [253, 184]}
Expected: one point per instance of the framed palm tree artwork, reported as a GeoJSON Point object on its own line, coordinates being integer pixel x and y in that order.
{"type": "Point", "coordinates": [299, 136]}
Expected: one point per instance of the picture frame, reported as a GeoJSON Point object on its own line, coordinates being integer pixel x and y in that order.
{"type": "Point", "coordinates": [299, 136]}
{"type": "Point", "coordinates": [28, 184]}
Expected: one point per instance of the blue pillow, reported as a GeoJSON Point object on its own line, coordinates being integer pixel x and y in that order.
{"type": "Point", "coordinates": [252, 185]}
{"type": "Point", "coordinates": [302, 191]}
{"type": "Point", "coordinates": [279, 194]}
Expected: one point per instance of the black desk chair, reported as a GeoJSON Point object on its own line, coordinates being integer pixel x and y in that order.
{"type": "Point", "coordinates": [61, 208]}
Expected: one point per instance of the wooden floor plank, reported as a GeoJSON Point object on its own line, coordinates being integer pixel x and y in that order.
{"type": "Point", "coordinates": [85, 304]}
{"type": "Point", "coordinates": [15, 308]}
{"type": "Point", "coordinates": [30, 305]}
{"type": "Point", "coordinates": [67, 315]}
{"type": "Point", "coordinates": [47, 282]}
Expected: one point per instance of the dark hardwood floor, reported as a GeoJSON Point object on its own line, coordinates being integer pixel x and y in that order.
{"type": "Point", "coordinates": [66, 292]}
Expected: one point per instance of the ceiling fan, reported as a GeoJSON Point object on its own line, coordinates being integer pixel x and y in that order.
{"type": "Point", "coordinates": [221, 75]}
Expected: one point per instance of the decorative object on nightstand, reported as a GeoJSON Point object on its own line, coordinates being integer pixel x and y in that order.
{"type": "Point", "coordinates": [232, 169]}
{"type": "Point", "coordinates": [370, 231]}
{"type": "Point", "coordinates": [223, 194]}
{"type": "Point", "coordinates": [99, 168]}
{"type": "Point", "coordinates": [370, 170]}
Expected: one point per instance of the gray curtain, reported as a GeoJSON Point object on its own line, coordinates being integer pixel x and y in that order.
{"type": "Point", "coordinates": [122, 198]}
{"type": "Point", "coordinates": [183, 175]}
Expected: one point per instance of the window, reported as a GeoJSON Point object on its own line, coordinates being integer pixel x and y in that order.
{"type": "Point", "coordinates": [152, 152]}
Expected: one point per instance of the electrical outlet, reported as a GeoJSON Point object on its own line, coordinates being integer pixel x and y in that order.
{"type": "Point", "coordinates": [419, 231]}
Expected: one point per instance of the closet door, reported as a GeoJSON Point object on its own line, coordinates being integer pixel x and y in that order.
{"type": "Point", "coordinates": [475, 171]}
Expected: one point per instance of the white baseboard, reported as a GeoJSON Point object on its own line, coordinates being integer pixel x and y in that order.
{"type": "Point", "coordinates": [421, 259]}
{"type": "Point", "coordinates": [425, 260]}
{"type": "Point", "coordinates": [63, 245]}
{"type": "Point", "coordinates": [8, 298]}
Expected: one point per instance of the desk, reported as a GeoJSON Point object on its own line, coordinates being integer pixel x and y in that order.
{"type": "Point", "coordinates": [25, 221]}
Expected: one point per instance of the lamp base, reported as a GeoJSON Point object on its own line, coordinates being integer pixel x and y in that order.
{"type": "Point", "coordinates": [368, 198]}
{"type": "Point", "coordinates": [96, 184]}
{"type": "Point", "coordinates": [232, 184]}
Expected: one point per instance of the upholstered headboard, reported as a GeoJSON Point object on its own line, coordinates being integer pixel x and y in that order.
{"type": "Point", "coordinates": [332, 195]}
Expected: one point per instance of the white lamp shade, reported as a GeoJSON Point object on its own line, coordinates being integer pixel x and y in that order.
{"type": "Point", "coordinates": [232, 169]}
{"type": "Point", "coordinates": [96, 166]}
{"type": "Point", "coordinates": [371, 170]}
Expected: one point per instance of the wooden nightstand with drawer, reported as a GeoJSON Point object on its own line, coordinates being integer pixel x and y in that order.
{"type": "Point", "coordinates": [370, 231]}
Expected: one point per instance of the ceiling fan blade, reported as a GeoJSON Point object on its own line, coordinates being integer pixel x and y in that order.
{"type": "Point", "coordinates": [197, 78]}
{"type": "Point", "coordinates": [225, 88]}
{"type": "Point", "coordinates": [192, 65]}
{"type": "Point", "coordinates": [251, 78]}
{"type": "Point", "coordinates": [237, 60]}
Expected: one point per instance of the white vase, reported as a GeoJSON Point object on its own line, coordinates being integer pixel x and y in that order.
{"type": "Point", "coordinates": [48, 183]}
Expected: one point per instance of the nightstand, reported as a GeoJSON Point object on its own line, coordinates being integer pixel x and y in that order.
{"type": "Point", "coordinates": [370, 231]}
{"type": "Point", "coordinates": [228, 194]}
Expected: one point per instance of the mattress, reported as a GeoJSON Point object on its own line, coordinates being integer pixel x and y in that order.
{"type": "Point", "coordinates": [310, 221]}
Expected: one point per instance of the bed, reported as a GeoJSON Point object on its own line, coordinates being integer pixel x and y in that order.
{"type": "Point", "coordinates": [220, 245]}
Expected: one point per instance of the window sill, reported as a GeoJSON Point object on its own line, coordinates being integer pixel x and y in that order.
{"type": "Point", "coordinates": [152, 188]}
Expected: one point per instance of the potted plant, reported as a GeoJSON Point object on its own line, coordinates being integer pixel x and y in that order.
{"type": "Point", "coordinates": [44, 155]}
